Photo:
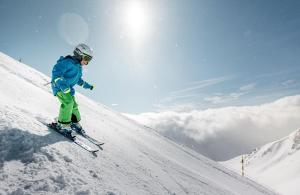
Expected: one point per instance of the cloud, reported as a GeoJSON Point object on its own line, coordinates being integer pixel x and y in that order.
{"type": "Point", "coordinates": [173, 98]}
{"type": "Point", "coordinates": [190, 92]}
{"type": "Point", "coordinates": [248, 87]}
{"type": "Point", "coordinates": [192, 95]}
{"type": "Point", "coordinates": [288, 83]}
{"type": "Point", "coordinates": [220, 98]}
{"type": "Point", "coordinates": [202, 84]}
{"type": "Point", "coordinates": [223, 133]}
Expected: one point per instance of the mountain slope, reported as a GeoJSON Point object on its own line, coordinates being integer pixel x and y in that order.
{"type": "Point", "coordinates": [135, 160]}
{"type": "Point", "coordinates": [275, 164]}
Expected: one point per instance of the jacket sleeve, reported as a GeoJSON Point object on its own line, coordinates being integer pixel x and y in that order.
{"type": "Point", "coordinates": [84, 84]}
{"type": "Point", "coordinates": [58, 77]}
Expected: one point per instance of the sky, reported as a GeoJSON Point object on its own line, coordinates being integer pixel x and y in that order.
{"type": "Point", "coordinates": [163, 55]}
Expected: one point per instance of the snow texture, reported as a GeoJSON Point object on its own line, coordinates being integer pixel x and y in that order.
{"type": "Point", "coordinates": [135, 160]}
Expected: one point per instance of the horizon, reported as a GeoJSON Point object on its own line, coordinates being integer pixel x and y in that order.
{"type": "Point", "coordinates": [153, 56]}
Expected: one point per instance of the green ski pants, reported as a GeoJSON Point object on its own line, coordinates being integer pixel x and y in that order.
{"type": "Point", "coordinates": [68, 111]}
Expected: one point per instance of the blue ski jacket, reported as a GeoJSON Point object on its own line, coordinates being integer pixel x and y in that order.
{"type": "Point", "coordinates": [66, 73]}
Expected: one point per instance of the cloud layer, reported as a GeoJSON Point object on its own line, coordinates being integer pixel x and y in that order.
{"type": "Point", "coordinates": [223, 133]}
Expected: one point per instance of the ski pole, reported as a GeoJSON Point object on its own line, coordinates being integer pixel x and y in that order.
{"type": "Point", "coordinates": [47, 83]}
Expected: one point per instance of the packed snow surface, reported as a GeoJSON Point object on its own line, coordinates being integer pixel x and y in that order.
{"type": "Point", "coordinates": [135, 159]}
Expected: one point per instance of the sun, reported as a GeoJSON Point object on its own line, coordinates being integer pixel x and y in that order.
{"type": "Point", "coordinates": [135, 17]}
{"type": "Point", "coordinates": [136, 20]}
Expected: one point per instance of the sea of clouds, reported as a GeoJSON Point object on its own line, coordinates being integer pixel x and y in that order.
{"type": "Point", "coordinates": [223, 133]}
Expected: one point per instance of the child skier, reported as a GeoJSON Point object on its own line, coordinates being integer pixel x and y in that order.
{"type": "Point", "coordinates": [66, 73]}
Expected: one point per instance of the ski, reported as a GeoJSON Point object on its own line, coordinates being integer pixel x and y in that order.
{"type": "Point", "coordinates": [74, 139]}
{"type": "Point", "coordinates": [85, 146]}
{"type": "Point", "coordinates": [89, 138]}
{"type": "Point", "coordinates": [92, 140]}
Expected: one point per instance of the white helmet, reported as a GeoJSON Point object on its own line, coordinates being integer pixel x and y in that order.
{"type": "Point", "coordinates": [83, 52]}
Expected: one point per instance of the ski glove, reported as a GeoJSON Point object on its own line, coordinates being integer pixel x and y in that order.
{"type": "Point", "coordinates": [87, 86]}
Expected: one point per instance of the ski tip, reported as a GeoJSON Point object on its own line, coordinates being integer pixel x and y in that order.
{"type": "Point", "coordinates": [95, 153]}
{"type": "Point", "coordinates": [52, 124]}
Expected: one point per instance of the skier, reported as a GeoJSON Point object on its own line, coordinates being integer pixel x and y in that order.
{"type": "Point", "coordinates": [66, 73]}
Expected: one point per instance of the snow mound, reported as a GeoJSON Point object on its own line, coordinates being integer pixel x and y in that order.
{"type": "Point", "coordinates": [275, 164]}
{"type": "Point", "coordinates": [273, 153]}
{"type": "Point", "coordinates": [135, 160]}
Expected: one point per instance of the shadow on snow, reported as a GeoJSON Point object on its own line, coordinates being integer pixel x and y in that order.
{"type": "Point", "coordinates": [16, 144]}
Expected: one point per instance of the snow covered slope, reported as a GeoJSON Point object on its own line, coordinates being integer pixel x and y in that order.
{"type": "Point", "coordinates": [135, 160]}
{"type": "Point", "coordinates": [276, 164]}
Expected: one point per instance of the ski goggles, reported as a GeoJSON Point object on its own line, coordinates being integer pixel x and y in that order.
{"type": "Point", "coordinates": [87, 57]}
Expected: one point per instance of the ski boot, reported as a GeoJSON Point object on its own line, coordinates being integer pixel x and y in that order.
{"type": "Point", "coordinates": [78, 128]}
{"type": "Point", "coordinates": [66, 130]}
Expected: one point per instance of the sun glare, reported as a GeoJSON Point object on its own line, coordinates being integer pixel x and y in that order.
{"type": "Point", "coordinates": [136, 20]}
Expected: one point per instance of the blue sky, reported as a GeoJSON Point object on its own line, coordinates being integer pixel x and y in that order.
{"type": "Point", "coordinates": [163, 54]}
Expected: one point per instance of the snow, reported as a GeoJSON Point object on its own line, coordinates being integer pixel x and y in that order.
{"type": "Point", "coordinates": [135, 159]}
{"type": "Point", "coordinates": [275, 164]}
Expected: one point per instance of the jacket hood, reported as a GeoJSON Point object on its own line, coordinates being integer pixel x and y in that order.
{"type": "Point", "coordinates": [72, 58]}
